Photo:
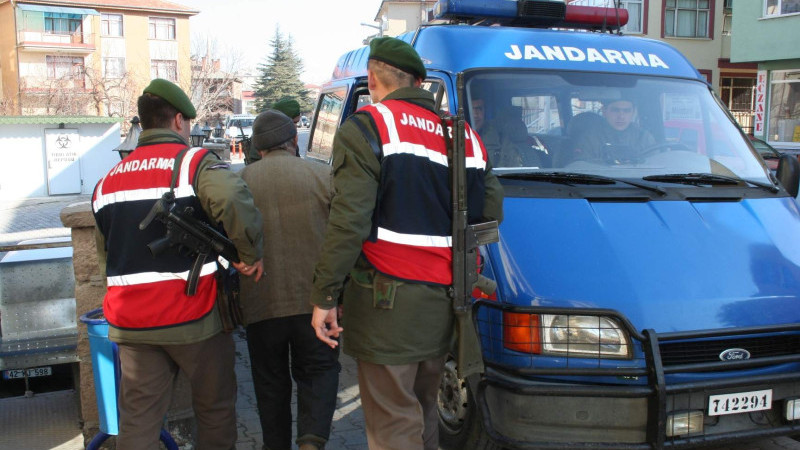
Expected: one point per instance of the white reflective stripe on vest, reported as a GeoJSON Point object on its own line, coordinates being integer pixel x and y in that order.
{"type": "Point", "coordinates": [416, 150]}
{"type": "Point", "coordinates": [155, 277]}
{"type": "Point", "coordinates": [417, 240]}
{"type": "Point", "coordinates": [138, 194]}
{"type": "Point", "coordinates": [476, 161]}
{"type": "Point", "coordinates": [183, 180]}
{"type": "Point", "coordinates": [388, 118]}
{"type": "Point", "coordinates": [394, 146]}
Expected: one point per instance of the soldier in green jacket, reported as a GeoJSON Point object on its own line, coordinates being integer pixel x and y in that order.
{"type": "Point", "coordinates": [160, 327]}
{"type": "Point", "coordinates": [399, 331]}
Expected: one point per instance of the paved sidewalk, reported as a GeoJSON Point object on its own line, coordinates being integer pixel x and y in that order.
{"type": "Point", "coordinates": [23, 420]}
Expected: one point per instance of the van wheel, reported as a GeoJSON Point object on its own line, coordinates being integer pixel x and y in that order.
{"type": "Point", "coordinates": [460, 421]}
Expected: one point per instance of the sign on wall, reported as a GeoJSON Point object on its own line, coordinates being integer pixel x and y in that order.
{"type": "Point", "coordinates": [63, 161]}
{"type": "Point", "coordinates": [761, 94]}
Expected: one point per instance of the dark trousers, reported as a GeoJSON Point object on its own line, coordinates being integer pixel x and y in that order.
{"type": "Point", "coordinates": [148, 374]}
{"type": "Point", "coordinates": [280, 347]}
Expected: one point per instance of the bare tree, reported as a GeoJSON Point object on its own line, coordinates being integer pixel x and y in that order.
{"type": "Point", "coordinates": [216, 82]}
{"type": "Point", "coordinates": [65, 95]}
{"type": "Point", "coordinates": [7, 105]}
{"type": "Point", "coordinates": [113, 96]}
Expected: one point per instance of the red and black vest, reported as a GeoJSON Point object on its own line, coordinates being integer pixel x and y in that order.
{"type": "Point", "coordinates": [146, 291]}
{"type": "Point", "coordinates": [411, 236]}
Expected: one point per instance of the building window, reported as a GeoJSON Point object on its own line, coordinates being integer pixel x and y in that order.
{"type": "Point", "coordinates": [784, 106]}
{"type": "Point", "coordinates": [166, 69]}
{"type": "Point", "coordinates": [64, 67]}
{"type": "Point", "coordinates": [780, 7]}
{"type": "Point", "coordinates": [111, 25]}
{"type": "Point", "coordinates": [113, 67]}
{"type": "Point", "coordinates": [162, 28]}
{"type": "Point", "coordinates": [60, 23]}
{"type": "Point", "coordinates": [687, 18]}
{"type": "Point", "coordinates": [738, 95]}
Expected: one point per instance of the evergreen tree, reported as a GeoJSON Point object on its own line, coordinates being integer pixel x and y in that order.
{"type": "Point", "coordinates": [280, 76]}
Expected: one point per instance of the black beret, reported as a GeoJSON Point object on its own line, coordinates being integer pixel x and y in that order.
{"type": "Point", "coordinates": [173, 94]}
{"type": "Point", "coordinates": [288, 106]}
{"type": "Point", "coordinates": [272, 128]}
{"type": "Point", "coordinates": [397, 53]}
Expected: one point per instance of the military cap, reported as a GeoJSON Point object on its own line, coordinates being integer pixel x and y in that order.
{"type": "Point", "coordinates": [173, 95]}
{"type": "Point", "coordinates": [288, 106]}
{"type": "Point", "coordinates": [272, 128]}
{"type": "Point", "coordinates": [397, 53]}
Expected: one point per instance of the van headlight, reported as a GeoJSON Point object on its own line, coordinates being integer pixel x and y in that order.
{"type": "Point", "coordinates": [588, 336]}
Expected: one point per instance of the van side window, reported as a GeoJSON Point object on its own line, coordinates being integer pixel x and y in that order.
{"type": "Point", "coordinates": [436, 88]}
{"type": "Point", "coordinates": [329, 112]}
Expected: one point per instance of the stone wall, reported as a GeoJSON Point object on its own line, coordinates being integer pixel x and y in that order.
{"type": "Point", "coordinates": [89, 292]}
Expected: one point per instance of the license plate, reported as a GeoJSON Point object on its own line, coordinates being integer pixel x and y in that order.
{"type": "Point", "coordinates": [740, 402]}
{"type": "Point", "coordinates": [33, 372]}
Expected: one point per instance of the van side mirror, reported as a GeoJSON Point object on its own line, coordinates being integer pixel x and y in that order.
{"type": "Point", "coordinates": [788, 173]}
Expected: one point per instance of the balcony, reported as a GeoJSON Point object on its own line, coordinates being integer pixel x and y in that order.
{"type": "Point", "coordinates": [42, 41]}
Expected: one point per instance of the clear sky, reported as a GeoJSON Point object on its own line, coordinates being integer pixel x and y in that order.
{"type": "Point", "coordinates": [322, 30]}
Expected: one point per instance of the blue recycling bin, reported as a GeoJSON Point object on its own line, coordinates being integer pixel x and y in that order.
{"type": "Point", "coordinates": [106, 371]}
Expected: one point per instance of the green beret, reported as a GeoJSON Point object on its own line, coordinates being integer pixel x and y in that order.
{"type": "Point", "coordinates": [173, 94]}
{"type": "Point", "coordinates": [288, 106]}
{"type": "Point", "coordinates": [398, 54]}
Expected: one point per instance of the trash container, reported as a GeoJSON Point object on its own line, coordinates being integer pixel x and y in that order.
{"type": "Point", "coordinates": [106, 371]}
{"type": "Point", "coordinates": [105, 367]}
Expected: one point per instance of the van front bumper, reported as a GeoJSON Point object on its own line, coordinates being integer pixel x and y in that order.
{"type": "Point", "coordinates": [563, 407]}
{"type": "Point", "coordinates": [519, 413]}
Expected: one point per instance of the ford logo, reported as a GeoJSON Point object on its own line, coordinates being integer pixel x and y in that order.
{"type": "Point", "coordinates": [734, 354]}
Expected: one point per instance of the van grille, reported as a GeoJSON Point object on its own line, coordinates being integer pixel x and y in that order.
{"type": "Point", "coordinates": [674, 353]}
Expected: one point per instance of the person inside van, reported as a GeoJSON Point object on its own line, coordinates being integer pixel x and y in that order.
{"type": "Point", "coordinates": [616, 140]}
{"type": "Point", "coordinates": [505, 137]}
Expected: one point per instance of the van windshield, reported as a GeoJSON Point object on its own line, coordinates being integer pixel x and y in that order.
{"type": "Point", "coordinates": [625, 126]}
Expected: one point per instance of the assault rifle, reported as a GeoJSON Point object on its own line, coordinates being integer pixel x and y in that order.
{"type": "Point", "coordinates": [466, 240]}
{"type": "Point", "coordinates": [187, 232]}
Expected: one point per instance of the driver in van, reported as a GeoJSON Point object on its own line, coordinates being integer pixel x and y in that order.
{"type": "Point", "coordinates": [618, 139]}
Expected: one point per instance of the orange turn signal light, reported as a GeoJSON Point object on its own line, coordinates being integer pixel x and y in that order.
{"type": "Point", "coordinates": [521, 332]}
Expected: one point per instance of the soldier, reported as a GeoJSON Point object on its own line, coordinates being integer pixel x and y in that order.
{"type": "Point", "coordinates": [617, 139]}
{"type": "Point", "coordinates": [158, 326]}
{"type": "Point", "coordinates": [389, 229]}
{"type": "Point", "coordinates": [295, 196]}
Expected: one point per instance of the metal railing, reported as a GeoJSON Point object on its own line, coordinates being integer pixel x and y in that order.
{"type": "Point", "coordinates": [45, 38]}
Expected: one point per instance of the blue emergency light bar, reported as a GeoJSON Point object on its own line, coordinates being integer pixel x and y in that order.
{"type": "Point", "coordinates": [531, 13]}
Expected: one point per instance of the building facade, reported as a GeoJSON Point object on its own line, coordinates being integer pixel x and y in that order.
{"type": "Point", "coordinates": [89, 57]}
{"type": "Point", "coordinates": [763, 36]}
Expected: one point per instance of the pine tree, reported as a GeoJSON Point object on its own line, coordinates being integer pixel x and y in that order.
{"type": "Point", "coordinates": [280, 75]}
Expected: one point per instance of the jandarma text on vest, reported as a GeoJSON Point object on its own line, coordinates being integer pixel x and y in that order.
{"type": "Point", "coordinates": [145, 164]}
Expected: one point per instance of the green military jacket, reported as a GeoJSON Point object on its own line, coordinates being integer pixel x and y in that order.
{"type": "Point", "coordinates": [225, 199]}
{"type": "Point", "coordinates": [379, 335]}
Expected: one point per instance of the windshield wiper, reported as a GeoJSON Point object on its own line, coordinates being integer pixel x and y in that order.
{"type": "Point", "coordinates": [709, 179]}
{"type": "Point", "coordinates": [571, 178]}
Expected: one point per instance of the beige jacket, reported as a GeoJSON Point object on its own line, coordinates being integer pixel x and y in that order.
{"type": "Point", "coordinates": [294, 197]}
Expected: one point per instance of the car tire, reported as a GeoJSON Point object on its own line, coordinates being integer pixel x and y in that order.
{"type": "Point", "coordinates": [460, 419]}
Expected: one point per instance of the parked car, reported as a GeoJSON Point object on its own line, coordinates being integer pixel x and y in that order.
{"type": "Point", "coordinates": [768, 152]}
{"type": "Point", "coordinates": [239, 126]}
{"type": "Point", "coordinates": [303, 122]}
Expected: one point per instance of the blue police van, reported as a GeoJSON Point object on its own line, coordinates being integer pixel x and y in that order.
{"type": "Point", "coordinates": [648, 268]}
